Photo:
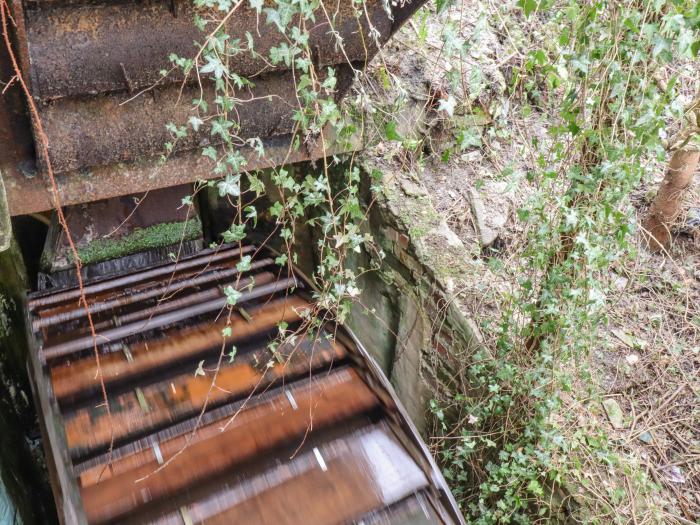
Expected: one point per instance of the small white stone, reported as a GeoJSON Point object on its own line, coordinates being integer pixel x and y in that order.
{"type": "Point", "coordinates": [632, 359]}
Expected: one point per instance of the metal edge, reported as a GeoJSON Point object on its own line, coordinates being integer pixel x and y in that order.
{"type": "Point", "coordinates": [436, 475]}
{"type": "Point", "coordinates": [63, 484]}
{"type": "Point", "coordinates": [28, 195]}
{"type": "Point", "coordinates": [21, 44]}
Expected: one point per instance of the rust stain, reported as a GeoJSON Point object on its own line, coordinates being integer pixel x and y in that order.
{"type": "Point", "coordinates": [86, 59]}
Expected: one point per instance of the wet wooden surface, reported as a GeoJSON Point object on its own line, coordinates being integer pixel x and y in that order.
{"type": "Point", "coordinates": [177, 345]}
{"type": "Point", "coordinates": [110, 491]}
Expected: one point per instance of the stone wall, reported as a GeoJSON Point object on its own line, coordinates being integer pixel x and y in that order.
{"type": "Point", "coordinates": [408, 318]}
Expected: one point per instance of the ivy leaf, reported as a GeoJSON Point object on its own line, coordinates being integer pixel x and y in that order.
{"type": "Point", "coordinates": [256, 184]}
{"type": "Point", "coordinates": [448, 105]}
{"type": "Point", "coordinates": [282, 53]}
{"type": "Point", "coordinates": [535, 488]}
{"type": "Point", "coordinates": [329, 83]}
{"type": "Point", "coordinates": [257, 5]}
{"type": "Point", "coordinates": [200, 23]}
{"type": "Point", "coordinates": [528, 6]}
{"type": "Point", "coordinates": [273, 17]}
{"type": "Point", "coordinates": [251, 213]}
{"type": "Point", "coordinates": [209, 152]}
{"type": "Point", "coordinates": [249, 40]}
{"type": "Point", "coordinates": [231, 185]}
{"type": "Point", "coordinates": [244, 264]}
{"type": "Point", "coordinates": [258, 146]}
{"type": "Point", "coordinates": [213, 65]}
{"type": "Point", "coordinates": [235, 233]}
{"type": "Point", "coordinates": [232, 296]}
{"type": "Point", "coordinates": [476, 82]}
{"type": "Point", "coordinates": [236, 161]}
{"type": "Point", "coordinates": [200, 369]}
{"type": "Point", "coordinates": [695, 48]}
{"type": "Point", "coordinates": [469, 138]}
{"type": "Point", "coordinates": [195, 122]}
{"type": "Point", "coordinates": [220, 127]}
{"type": "Point", "coordinates": [390, 131]}
{"type": "Point", "coordinates": [239, 81]}
{"type": "Point", "coordinates": [276, 209]}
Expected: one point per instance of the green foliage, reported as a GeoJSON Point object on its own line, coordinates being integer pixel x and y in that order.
{"type": "Point", "coordinates": [506, 457]}
{"type": "Point", "coordinates": [509, 457]}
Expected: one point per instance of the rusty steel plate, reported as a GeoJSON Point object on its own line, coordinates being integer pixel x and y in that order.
{"type": "Point", "coordinates": [108, 129]}
{"type": "Point", "coordinates": [94, 70]}
{"type": "Point", "coordinates": [87, 61]}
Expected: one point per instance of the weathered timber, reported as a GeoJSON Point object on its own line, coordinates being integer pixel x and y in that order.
{"type": "Point", "coordinates": [176, 345]}
{"type": "Point", "coordinates": [209, 451]}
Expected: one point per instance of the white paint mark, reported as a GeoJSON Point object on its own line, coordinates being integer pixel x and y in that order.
{"type": "Point", "coordinates": [291, 399]}
{"type": "Point", "coordinates": [320, 460]}
{"type": "Point", "coordinates": [157, 453]}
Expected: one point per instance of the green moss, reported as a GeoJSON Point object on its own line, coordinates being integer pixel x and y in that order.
{"type": "Point", "coordinates": [6, 307]}
{"type": "Point", "coordinates": [155, 236]}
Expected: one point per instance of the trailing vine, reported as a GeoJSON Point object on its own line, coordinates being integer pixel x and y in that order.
{"type": "Point", "coordinates": [332, 206]}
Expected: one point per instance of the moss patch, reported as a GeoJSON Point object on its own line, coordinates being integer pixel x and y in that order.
{"type": "Point", "coordinates": [140, 239]}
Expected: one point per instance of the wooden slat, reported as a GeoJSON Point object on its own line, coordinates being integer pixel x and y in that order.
{"type": "Point", "coordinates": [91, 429]}
{"type": "Point", "coordinates": [332, 484]}
{"type": "Point", "coordinates": [40, 301]}
{"type": "Point", "coordinates": [251, 432]}
{"type": "Point", "coordinates": [178, 345]}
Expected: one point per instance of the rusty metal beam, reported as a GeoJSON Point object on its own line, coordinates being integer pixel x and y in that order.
{"type": "Point", "coordinates": [28, 192]}
{"type": "Point", "coordinates": [110, 129]}
{"type": "Point", "coordinates": [113, 335]}
{"type": "Point", "coordinates": [336, 481]}
{"type": "Point", "coordinates": [81, 376]}
{"type": "Point", "coordinates": [154, 406]}
{"type": "Point", "coordinates": [86, 49]}
{"type": "Point", "coordinates": [152, 293]}
{"type": "Point", "coordinates": [208, 256]}
{"type": "Point", "coordinates": [84, 59]}
{"type": "Point", "coordinates": [115, 49]}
